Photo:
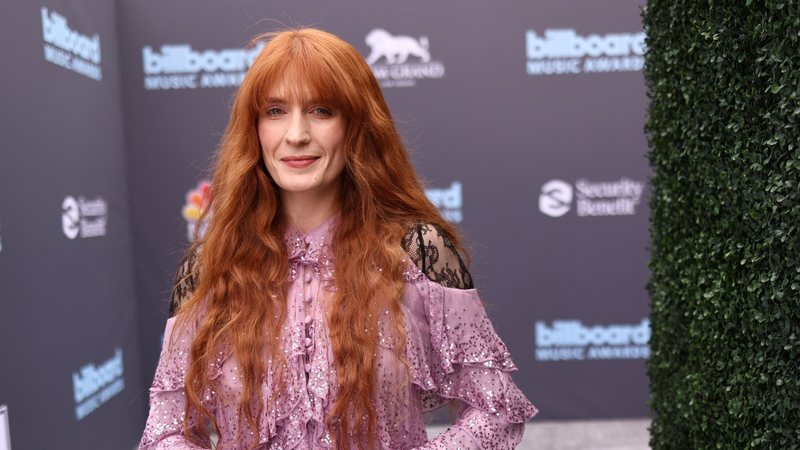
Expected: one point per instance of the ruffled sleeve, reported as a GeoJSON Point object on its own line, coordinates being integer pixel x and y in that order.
{"type": "Point", "coordinates": [467, 361]}
{"type": "Point", "coordinates": [164, 427]}
{"type": "Point", "coordinates": [471, 364]}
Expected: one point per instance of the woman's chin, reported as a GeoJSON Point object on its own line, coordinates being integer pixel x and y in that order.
{"type": "Point", "coordinates": [301, 186]}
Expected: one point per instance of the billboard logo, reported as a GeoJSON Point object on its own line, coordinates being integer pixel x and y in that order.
{"type": "Point", "coordinates": [570, 340]}
{"type": "Point", "coordinates": [178, 66]}
{"type": "Point", "coordinates": [399, 61]}
{"type": "Point", "coordinates": [591, 198]}
{"type": "Point", "coordinates": [95, 385]}
{"type": "Point", "coordinates": [562, 51]}
{"type": "Point", "coordinates": [555, 198]}
{"type": "Point", "coordinates": [68, 48]}
{"type": "Point", "coordinates": [83, 218]}
{"type": "Point", "coordinates": [448, 200]}
{"type": "Point", "coordinates": [196, 203]}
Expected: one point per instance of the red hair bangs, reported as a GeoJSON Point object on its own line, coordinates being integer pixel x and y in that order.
{"type": "Point", "coordinates": [312, 65]}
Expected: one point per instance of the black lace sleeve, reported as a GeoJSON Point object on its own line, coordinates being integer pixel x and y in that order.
{"type": "Point", "coordinates": [436, 256]}
{"type": "Point", "coordinates": [185, 280]}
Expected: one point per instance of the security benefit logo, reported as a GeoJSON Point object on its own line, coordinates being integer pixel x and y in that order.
{"type": "Point", "coordinates": [95, 384]}
{"type": "Point", "coordinates": [68, 48]}
{"type": "Point", "coordinates": [400, 61]}
{"type": "Point", "coordinates": [179, 66]}
{"type": "Point", "coordinates": [197, 200]}
{"type": "Point", "coordinates": [449, 201]}
{"type": "Point", "coordinates": [563, 51]}
{"type": "Point", "coordinates": [591, 198]}
{"type": "Point", "coordinates": [571, 340]}
{"type": "Point", "coordinates": [82, 217]}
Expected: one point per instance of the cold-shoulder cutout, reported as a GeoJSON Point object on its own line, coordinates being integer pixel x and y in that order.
{"type": "Point", "coordinates": [186, 280]}
{"type": "Point", "coordinates": [436, 256]}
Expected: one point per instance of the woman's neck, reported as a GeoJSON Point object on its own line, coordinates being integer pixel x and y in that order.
{"type": "Point", "coordinates": [307, 210]}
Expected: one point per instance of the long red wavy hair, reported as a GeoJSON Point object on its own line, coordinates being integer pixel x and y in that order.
{"type": "Point", "coordinates": [240, 302]}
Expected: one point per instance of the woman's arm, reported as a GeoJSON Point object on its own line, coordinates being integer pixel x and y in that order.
{"type": "Point", "coordinates": [164, 427]}
{"type": "Point", "coordinates": [477, 430]}
{"type": "Point", "coordinates": [473, 365]}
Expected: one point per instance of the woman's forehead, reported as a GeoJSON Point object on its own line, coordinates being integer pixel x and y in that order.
{"type": "Point", "coordinates": [294, 87]}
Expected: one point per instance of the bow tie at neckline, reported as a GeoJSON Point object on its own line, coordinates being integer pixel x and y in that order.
{"type": "Point", "coordinates": [305, 249]}
{"type": "Point", "coordinates": [310, 247]}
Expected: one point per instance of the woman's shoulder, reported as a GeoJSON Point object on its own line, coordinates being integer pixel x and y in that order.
{"type": "Point", "coordinates": [436, 256]}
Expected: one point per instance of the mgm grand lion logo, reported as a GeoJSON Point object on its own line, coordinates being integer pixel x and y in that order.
{"type": "Point", "coordinates": [396, 49]}
{"type": "Point", "coordinates": [389, 58]}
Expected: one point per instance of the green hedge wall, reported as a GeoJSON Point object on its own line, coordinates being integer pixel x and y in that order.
{"type": "Point", "coordinates": [723, 125]}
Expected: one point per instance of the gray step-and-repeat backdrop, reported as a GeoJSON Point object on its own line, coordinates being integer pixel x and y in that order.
{"type": "Point", "coordinates": [525, 119]}
{"type": "Point", "coordinates": [70, 349]}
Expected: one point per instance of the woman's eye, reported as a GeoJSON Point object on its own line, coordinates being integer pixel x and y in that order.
{"type": "Point", "coordinates": [321, 111]}
{"type": "Point", "coordinates": [274, 111]}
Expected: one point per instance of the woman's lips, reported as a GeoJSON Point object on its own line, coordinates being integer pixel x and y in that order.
{"type": "Point", "coordinates": [300, 162]}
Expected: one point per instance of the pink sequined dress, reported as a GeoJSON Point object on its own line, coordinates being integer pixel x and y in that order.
{"type": "Point", "coordinates": [452, 350]}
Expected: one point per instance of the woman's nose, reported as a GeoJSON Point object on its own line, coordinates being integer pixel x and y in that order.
{"type": "Point", "coordinates": [298, 132]}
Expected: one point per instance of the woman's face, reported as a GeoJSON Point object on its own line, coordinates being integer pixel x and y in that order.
{"type": "Point", "coordinates": [302, 142]}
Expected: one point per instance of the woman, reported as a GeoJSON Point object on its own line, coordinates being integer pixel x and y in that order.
{"type": "Point", "coordinates": [327, 305]}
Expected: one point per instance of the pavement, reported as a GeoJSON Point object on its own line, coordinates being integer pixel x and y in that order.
{"type": "Point", "coordinates": [580, 435]}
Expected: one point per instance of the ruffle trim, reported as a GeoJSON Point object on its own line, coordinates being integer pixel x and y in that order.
{"type": "Point", "coordinates": [490, 391]}
{"type": "Point", "coordinates": [293, 412]}
{"type": "Point", "coordinates": [468, 361]}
